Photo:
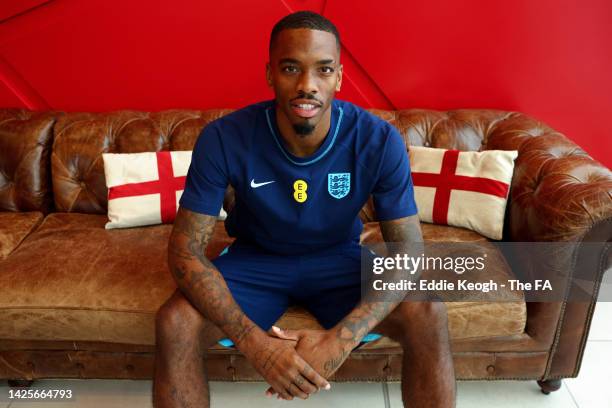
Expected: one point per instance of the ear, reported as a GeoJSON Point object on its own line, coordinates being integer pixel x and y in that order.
{"type": "Point", "coordinates": [339, 83]}
{"type": "Point", "coordinates": [268, 74]}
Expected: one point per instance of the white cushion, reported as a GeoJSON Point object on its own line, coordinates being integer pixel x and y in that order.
{"type": "Point", "coordinates": [144, 188]}
{"type": "Point", "coordinates": [463, 189]}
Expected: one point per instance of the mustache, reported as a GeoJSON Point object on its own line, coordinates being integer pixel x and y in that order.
{"type": "Point", "coordinates": [307, 96]}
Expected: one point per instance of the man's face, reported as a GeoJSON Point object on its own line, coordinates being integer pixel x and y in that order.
{"type": "Point", "coordinates": [305, 72]}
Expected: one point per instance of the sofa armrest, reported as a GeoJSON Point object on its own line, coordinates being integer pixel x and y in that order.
{"type": "Point", "coordinates": [558, 193]}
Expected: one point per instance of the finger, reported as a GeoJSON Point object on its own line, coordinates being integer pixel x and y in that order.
{"type": "Point", "coordinates": [311, 375]}
{"type": "Point", "coordinates": [287, 397]}
{"type": "Point", "coordinates": [281, 390]}
{"type": "Point", "coordinates": [285, 334]}
{"type": "Point", "coordinates": [296, 391]}
{"type": "Point", "coordinates": [304, 385]}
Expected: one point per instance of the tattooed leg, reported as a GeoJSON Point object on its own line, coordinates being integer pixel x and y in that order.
{"type": "Point", "coordinates": [428, 376]}
{"type": "Point", "coordinates": [182, 337]}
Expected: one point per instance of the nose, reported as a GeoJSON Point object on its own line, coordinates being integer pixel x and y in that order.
{"type": "Point", "coordinates": [306, 83]}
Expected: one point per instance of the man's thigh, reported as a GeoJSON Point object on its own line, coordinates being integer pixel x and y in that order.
{"type": "Point", "coordinates": [258, 281]}
{"type": "Point", "coordinates": [331, 283]}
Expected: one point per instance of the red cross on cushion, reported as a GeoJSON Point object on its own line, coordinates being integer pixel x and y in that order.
{"type": "Point", "coordinates": [166, 186]}
{"type": "Point", "coordinates": [144, 188]}
{"type": "Point", "coordinates": [464, 189]}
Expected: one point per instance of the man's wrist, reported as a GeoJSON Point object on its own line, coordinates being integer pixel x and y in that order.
{"type": "Point", "coordinates": [250, 340]}
{"type": "Point", "coordinates": [335, 335]}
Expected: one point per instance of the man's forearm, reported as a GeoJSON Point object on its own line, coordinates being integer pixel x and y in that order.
{"type": "Point", "coordinates": [370, 311]}
{"type": "Point", "coordinates": [200, 281]}
{"type": "Point", "coordinates": [404, 236]}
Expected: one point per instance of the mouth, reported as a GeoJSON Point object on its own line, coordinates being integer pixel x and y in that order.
{"type": "Point", "coordinates": [305, 108]}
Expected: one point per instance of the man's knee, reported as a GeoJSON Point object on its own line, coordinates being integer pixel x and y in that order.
{"type": "Point", "coordinates": [177, 315]}
{"type": "Point", "coordinates": [420, 320]}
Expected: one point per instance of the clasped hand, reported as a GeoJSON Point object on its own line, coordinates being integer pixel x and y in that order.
{"type": "Point", "coordinates": [317, 354]}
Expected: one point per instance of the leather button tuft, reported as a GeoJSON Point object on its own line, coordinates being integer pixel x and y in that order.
{"type": "Point", "coordinates": [129, 367]}
{"type": "Point", "coordinates": [491, 369]}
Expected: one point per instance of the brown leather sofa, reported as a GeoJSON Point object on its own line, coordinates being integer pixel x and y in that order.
{"type": "Point", "coordinates": [79, 301]}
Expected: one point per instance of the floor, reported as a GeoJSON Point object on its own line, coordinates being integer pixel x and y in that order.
{"type": "Point", "coordinates": [592, 388]}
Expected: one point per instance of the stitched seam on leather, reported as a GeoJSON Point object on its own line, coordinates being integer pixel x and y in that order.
{"type": "Point", "coordinates": [342, 379]}
{"type": "Point", "coordinates": [26, 235]}
{"type": "Point", "coordinates": [553, 347]}
{"type": "Point", "coordinates": [584, 338]}
{"type": "Point", "coordinates": [391, 379]}
{"type": "Point", "coordinates": [446, 118]}
{"type": "Point", "coordinates": [76, 308]}
{"type": "Point", "coordinates": [127, 122]}
{"type": "Point", "coordinates": [57, 160]}
{"type": "Point", "coordinates": [562, 315]}
{"type": "Point", "coordinates": [561, 320]}
{"type": "Point", "coordinates": [479, 304]}
{"type": "Point", "coordinates": [2, 359]}
{"type": "Point", "coordinates": [175, 125]}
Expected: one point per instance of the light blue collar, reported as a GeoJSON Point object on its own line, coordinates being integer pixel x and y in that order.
{"type": "Point", "coordinates": [320, 155]}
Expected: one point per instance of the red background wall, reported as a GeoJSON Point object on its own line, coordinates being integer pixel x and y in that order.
{"type": "Point", "coordinates": [551, 59]}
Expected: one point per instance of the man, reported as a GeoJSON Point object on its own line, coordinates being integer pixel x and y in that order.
{"type": "Point", "coordinates": [302, 167]}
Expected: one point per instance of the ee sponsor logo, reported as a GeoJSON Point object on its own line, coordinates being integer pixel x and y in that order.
{"type": "Point", "coordinates": [299, 191]}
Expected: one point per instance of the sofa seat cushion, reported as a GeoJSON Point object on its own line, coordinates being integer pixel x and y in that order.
{"type": "Point", "coordinates": [466, 321]}
{"type": "Point", "coordinates": [86, 283]}
{"type": "Point", "coordinates": [72, 279]}
{"type": "Point", "coordinates": [485, 316]}
{"type": "Point", "coordinates": [480, 318]}
{"type": "Point", "coordinates": [14, 227]}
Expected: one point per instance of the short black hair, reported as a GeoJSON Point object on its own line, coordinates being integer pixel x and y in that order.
{"type": "Point", "coordinates": [304, 19]}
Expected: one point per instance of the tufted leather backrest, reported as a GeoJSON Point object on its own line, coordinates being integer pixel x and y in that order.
{"type": "Point", "coordinates": [81, 138]}
{"type": "Point", "coordinates": [463, 129]}
{"type": "Point", "coordinates": [557, 191]}
{"type": "Point", "coordinates": [25, 146]}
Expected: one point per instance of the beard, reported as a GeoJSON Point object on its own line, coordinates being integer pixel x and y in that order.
{"type": "Point", "coordinates": [303, 129]}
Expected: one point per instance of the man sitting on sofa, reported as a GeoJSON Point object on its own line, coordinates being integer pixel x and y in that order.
{"type": "Point", "coordinates": [302, 167]}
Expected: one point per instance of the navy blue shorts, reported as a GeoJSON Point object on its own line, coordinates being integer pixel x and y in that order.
{"type": "Point", "coordinates": [327, 283]}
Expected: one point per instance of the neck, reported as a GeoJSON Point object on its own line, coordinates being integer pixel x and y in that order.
{"type": "Point", "coordinates": [303, 146]}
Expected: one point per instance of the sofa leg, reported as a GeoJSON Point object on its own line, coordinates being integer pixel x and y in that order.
{"type": "Point", "coordinates": [20, 383]}
{"type": "Point", "coordinates": [549, 386]}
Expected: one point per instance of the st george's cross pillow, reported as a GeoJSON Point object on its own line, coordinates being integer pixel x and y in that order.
{"type": "Point", "coordinates": [145, 188]}
{"type": "Point", "coordinates": [463, 189]}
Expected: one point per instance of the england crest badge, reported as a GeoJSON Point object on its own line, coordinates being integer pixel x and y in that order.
{"type": "Point", "coordinates": [338, 184]}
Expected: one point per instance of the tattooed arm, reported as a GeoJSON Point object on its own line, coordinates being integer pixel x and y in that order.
{"type": "Point", "coordinates": [406, 238]}
{"type": "Point", "coordinates": [198, 279]}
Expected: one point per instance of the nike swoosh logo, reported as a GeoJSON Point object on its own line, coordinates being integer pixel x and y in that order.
{"type": "Point", "coordinates": [255, 185]}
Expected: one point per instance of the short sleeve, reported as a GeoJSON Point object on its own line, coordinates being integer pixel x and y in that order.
{"type": "Point", "coordinates": [207, 177]}
{"type": "Point", "coordinates": [394, 192]}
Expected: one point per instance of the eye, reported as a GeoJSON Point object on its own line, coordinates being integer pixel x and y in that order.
{"type": "Point", "coordinates": [327, 70]}
{"type": "Point", "coordinates": [290, 69]}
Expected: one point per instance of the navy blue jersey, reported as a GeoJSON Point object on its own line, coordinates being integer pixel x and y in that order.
{"type": "Point", "coordinates": [292, 205]}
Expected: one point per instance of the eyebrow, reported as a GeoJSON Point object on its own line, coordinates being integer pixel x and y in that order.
{"type": "Point", "coordinates": [288, 61]}
{"type": "Point", "coordinates": [294, 61]}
